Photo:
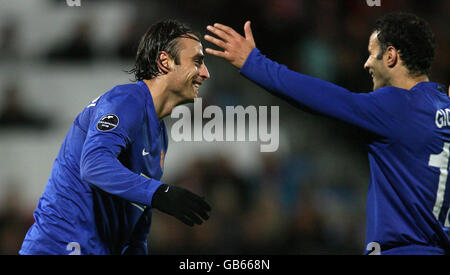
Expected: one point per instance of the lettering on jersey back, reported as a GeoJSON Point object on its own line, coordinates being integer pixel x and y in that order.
{"type": "Point", "coordinates": [442, 118]}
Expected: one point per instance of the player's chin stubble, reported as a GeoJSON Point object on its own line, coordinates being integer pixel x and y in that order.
{"type": "Point", "coordinates": [380, 83]}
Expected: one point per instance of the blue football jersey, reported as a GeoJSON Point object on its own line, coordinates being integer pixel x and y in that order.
{"type": "Point", "coordinates": [98, 197]}
{"type": "Point", "coordinates": [408, 148]}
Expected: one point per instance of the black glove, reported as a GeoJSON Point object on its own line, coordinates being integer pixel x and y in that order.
{"type": "Point", "coordinates": [181, 203]}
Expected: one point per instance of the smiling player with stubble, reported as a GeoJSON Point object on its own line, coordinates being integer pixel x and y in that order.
{"type": "Point", "coordinates": [405, 121]}
{"type": "Point", "coordinates": [106, 178]}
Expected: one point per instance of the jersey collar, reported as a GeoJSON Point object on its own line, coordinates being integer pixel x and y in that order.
{"type": "Point", "coordinates": [150, 106]}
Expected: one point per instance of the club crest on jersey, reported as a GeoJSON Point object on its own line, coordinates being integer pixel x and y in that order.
{"type": "Point", "coordinates": [107, 123]}
{"type": "Point", "coordinates": [162, 159]}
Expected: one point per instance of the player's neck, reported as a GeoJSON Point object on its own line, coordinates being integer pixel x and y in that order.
{"type": "Point", "coordinates": [408, 82]}
{"type": "Point", "coordinates": [162, 99]}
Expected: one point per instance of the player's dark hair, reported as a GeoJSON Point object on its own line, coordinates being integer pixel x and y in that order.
{"type": "Point", "coordinates": [411, 36]}
{"type": "Point", "coordinates": [162, 36]}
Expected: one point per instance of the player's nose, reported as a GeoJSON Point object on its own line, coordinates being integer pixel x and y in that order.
{"type": "Point", "coordinates": [204, 73]}
{"type": "Point", "coordinates": [366, 65]}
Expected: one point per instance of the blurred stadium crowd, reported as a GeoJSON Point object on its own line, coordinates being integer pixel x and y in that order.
{"type": "Point", "coordinates": [306, 198]}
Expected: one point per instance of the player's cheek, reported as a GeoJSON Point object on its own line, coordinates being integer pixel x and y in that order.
{"type": "Point", "coordinates": [193, 74]}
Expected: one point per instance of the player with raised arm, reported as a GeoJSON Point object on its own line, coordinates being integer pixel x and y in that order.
{"type": "Point", "coordinates": [106, 178]}
{"type": "Point", "coordinates": [406, 118]}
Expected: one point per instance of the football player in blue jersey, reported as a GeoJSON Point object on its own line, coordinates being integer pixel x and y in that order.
{"type": "Point", "coordinates": [105, 181]}
{"type": "Point", "coordinates": [406, 119]}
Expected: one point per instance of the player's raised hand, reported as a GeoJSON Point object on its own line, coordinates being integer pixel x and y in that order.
{"type": "Point", "coordinates": [236, 48]}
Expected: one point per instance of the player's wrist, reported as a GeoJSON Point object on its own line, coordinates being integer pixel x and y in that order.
{"type": "Point", "coordinates": [248, 59]}
{"type": "Point", "coordinates": [159, 194]}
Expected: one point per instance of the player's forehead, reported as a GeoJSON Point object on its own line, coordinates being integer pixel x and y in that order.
{"type": "Point", "coordinates": [374, 43]}
{"type": "Point", "coordinates": [190, 47]}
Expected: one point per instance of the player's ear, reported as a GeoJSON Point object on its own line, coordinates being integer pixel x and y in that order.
{"type": "Point", "coordinates": [164, 61]}
{"type": "Point", "coordinates": [391, 56]}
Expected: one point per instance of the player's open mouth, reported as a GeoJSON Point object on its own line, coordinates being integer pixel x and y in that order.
{"type": "Point", "coordinates": [196, 85]}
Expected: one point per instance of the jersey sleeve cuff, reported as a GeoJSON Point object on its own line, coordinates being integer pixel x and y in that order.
{"type": "Point", "coordinates": [246, 68]}
{"type": "Point", "coordinates": [154, 185]}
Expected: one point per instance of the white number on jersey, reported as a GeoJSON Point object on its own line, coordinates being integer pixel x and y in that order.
{"type": "Point", "coordinates": [441, 161]}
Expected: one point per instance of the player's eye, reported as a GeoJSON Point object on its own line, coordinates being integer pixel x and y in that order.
{"type": "Point", "coordinates": [198, 61]}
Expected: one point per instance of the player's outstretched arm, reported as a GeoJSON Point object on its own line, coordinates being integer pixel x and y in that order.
{"type": "Point", "coordinates": [236, 48]}
{"type": "Point", "coordinates": [367, 111]}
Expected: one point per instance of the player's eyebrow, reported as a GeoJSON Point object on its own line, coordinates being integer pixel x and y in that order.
{"type": "Point", "coordinates": [198, 57]}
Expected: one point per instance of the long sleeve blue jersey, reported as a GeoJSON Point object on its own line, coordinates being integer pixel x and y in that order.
{"type": "Point", "coordinates": [98, 197]}
{"type": "Point", "coordinates": [409, 194]}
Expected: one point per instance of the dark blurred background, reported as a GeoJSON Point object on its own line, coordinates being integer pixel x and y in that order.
{"type": "Point", "coordinates": [306, 198]}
